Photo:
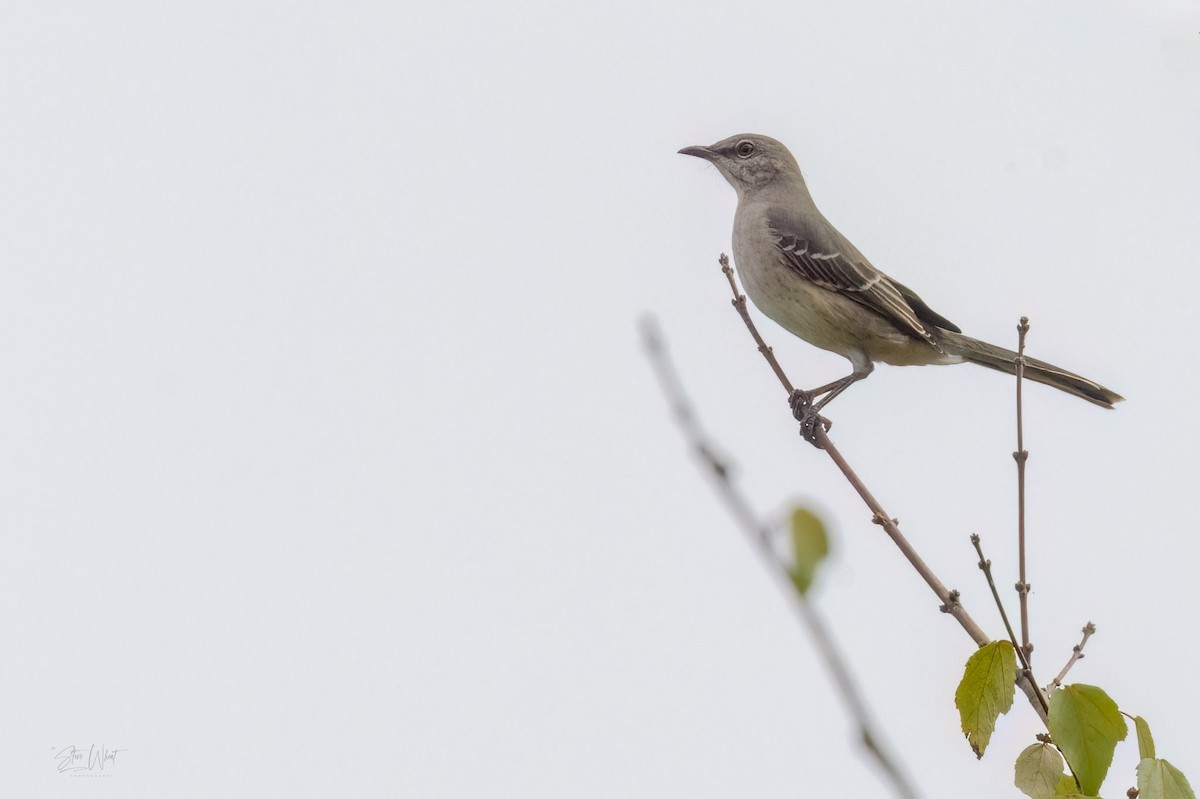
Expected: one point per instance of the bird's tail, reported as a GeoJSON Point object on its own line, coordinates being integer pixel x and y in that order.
{"type": "Point", "coordinates": [1003, 360]}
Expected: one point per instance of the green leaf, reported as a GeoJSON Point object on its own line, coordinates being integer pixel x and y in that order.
{"type": "Point", "coordinates": [1158, 779]}
{"type": "Point", "coordinates": [986, 691]}
{"type": "Point", "coordinates": [1086, 726]}
{"type": "Point", "coordinates": [1039, 769]}
{"type": "Point", "coordinates": [1145, 740]}
{"type": "Point", "coordinates": [810, 545]}
{"type": "Point", "coordinates": [1067, 789]}
{"type": "Point", "coordinates": [1066, 786]}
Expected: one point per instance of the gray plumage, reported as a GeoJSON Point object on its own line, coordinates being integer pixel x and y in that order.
{"type": "Point", "coordinates": [802, 273]}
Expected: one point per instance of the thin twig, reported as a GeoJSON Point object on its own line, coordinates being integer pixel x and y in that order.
{"type": "Point", "coordinates": [1021, 455]}
{"type": "Point", "coordinates": [949, 598]}
{"type": "Point", "coordinates": [985, 566]}
{"type": "Point", "coordinates": [760, 536]}
{"type": "Point", "coordinates": [739, 302]}
{"type": "Point", "coordinates": [1089, 630]}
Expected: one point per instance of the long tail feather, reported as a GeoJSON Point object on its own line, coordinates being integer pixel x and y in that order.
{"type": "Point", "coordinates": [1003, 360]}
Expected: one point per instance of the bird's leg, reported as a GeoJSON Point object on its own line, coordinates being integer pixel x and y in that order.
{"type": "Point", "coordinates": [837, 388]}
{"type": "Point", "coordinates": [862, 368]}
{"type": "Point", "coordinates": [807, 412]}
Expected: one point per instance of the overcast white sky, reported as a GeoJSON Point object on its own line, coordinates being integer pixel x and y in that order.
{"type": "Point", "coordinates": [332, 467]}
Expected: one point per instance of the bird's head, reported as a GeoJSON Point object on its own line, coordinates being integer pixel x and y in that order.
{"type": "Point", "coordinates": [750, 162]}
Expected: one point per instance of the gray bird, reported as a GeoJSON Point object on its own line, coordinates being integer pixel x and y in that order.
{"type": "Point", "coordinates": [804, 274]}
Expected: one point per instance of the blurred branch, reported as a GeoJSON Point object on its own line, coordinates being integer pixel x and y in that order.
{"type": "Point", "coordinates": [760, 536]}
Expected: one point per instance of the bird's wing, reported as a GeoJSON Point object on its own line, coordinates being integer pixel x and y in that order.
{"type": "Point", "coordinates": [924, 312]}
{"type": "Point", "coordinates": [814, 250]}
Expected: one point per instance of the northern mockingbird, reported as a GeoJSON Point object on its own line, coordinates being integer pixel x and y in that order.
{"type": "Point", "coordinates": [804, 274]}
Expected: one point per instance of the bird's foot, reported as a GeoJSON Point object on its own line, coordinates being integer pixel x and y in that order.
{"type": "Point", "coordinates": [801, 403]}
{"type": "Point", "coordinates": [806, 414]}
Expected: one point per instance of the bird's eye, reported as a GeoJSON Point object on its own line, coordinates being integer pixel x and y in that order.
{"type": "Point", "coordinates": [745, 149]}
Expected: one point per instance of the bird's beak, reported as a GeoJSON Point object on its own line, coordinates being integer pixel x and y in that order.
{"type": "Point", "coordinates": [700, 152]}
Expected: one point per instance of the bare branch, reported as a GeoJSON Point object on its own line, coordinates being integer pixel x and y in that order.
{"type": "Point", "coordinates": [1089, 630]}
{"type": "Point", "coordinates": [1021, 455]}
{"type": "Point", "coordinates": [739, 302]}
{"type": "Point", "coordinates": [985, 566]}
{"type": "Point", "coordinates": [949, 599]}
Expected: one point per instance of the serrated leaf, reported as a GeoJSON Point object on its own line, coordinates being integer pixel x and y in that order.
{"type": "Point", "coordinates": [1086, 726]}
{"type": "Point", "coordinates": [1158, 779]}
{"type": "Point", "coordinates": [810, 545]}
{"type": "Point", "coordinates": [1145, 740]}
{"type": "Point", "coordinates": [986, 691]}
{"type": "Point", "coordinates": [1039, 768]}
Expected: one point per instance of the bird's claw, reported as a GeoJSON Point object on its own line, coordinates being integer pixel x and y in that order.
{"type": "Point", "coordinates": [808, 427]}
{"type": "Point", "coordinates": [801, 403]}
